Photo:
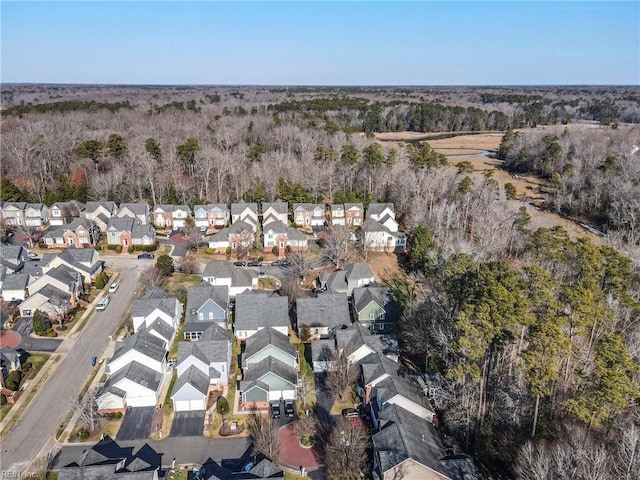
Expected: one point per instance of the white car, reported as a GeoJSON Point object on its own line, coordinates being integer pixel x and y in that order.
{"type": "Point", "coordinates": [102, 304]}
{"type": "Point", "coordinates": [113, 287]}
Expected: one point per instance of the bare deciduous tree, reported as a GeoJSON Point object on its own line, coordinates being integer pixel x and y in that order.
{"type": "Point", "coordinates": [264, 433]}
{"type": "Point", "coordinates": [337, 245]}
{"type": "Point", "coordinates": [346, 449]}
{"type": "Point", "coordinates": [86, 408]}
{"type": "Point", "coordinates": [342, 376]}
{"type": "Point", "coordinates": [152, 278]}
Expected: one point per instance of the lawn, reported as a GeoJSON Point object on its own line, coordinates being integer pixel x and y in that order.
{"type": "Point", "coordinates": [177, 281]}
{"type": "Point", "coordinates": [178, 475]}
{"type": "Point", "coordinates": [37, 360]}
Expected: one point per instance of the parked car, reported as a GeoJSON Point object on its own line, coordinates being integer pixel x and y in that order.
{"type": "Point", "coordinates": [93, 361]}
{"type": "Point", "coordinates": [32, 255]}
{"type": "Point", "coordinates": [113, 288]}
{"type": "Point", "coordinates": [146, 256]}
{"type": "Point", "coordinates": [102, 304]}
{"type": "Point", "coordinates": [240, 264]}
{"type": "Point", "coordinates": [255, 263]}
{"type": "Point", "coordinates": [203, 229]}
{"type": "Point", "coordinates": [279, 263]}
{"type": "Point", "coordinates": [275, 409]}
{"type": "Point", "coordinates": [289, 408]}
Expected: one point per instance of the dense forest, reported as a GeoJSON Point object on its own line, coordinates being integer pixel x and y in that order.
{"type": "Point", "coordinates": [532, 337]}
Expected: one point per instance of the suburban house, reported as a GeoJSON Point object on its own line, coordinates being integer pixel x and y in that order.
{"type": "Point", "coordinates": [211, 470]}
{"type": "Point", "coordinates": [265, 381]}
{"type": "Point", "coordinates": [13, 213]}
{"type": "Point", "coordinates": [136, 373]}
{"type": "Point", "coordinates": [361, 346]}
{"type": "Point", "coordinates": [320, 316]}
{"type": "Point", "coordinates": [64, 212]}
{"type": "Point", "coordinates": [308, 214]}
{"type": "Point", "coordinates": [407, 446]}
{"type": "Point", "coordinates": [50, 300]}
{"type": "Point", "coordinates": [107, 460]}
{"type": "Point", "coordinates": [255, 311]}
{"type": "Point", "coordinates": [158, 316]}
{"type": "Point", "coordinates": [214, 215]}
{"type": "Point", "coordinates": [323, 355]}
{"type": "Point", "coordinates": [277, 234]}
{"type": "Point", "coordinates": [201, 365]}
{"type": "Point", "coordinates": [240, 235]}
{"type": "Point", "coordinates": [337, 214]}
{"type": "Point", "coordinates": [100, 212]}
{"type": "Point", "coordinates": [354, 214]}
{"type": "Point", "coordinates": [373, 307]}
{"type": "Point", "coordinates": [9, 362]}
{"type": "Point", "coordinates": [14, 287]}
{"type": "Point", "coordinates": [79, 232]}
{"type": "Point", "coordinates": [379, 237]}
{"type": "Point", "coordinates": [36, 215]}
{"type": "Point", "coordinates": [269, 342]}
{"type": "Point", "coordinates": [239, 280]}
{"type": "Point", "coordinates": [383, 213]}
{"type": "Point", "coordinates": [207, 305]}
{"type": "Point", "coordinates": [13, 257]}
{"type": "Point", "coordinates": [128, 231]}
{"type": "Point", "coordinates": [247, 212]}
{"type": "Point", "coordinates": [138, 211]}
{"type": "Point", "coordinates": [277, 211]}
{"type": "Point", "coordinates": [353, 275]}
{"type": "Point", "coordinates": [85, 261]}
{"type": "Point", "coordinates": [170, 216]}
{"type": "Point", "coordinates": [63, 278]}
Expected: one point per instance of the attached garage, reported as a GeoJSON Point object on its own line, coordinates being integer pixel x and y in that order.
{"type": "Point", "coordinates": [190, 391]}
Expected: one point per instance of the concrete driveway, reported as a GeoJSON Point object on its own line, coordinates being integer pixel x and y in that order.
{"type": "Point", "coordinates": [188, 424]}
{"type": "Point", "coordinates": [136, 424]}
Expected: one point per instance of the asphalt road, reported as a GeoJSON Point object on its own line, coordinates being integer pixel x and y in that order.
{"type": "Point", "coordinates": [39, 421]}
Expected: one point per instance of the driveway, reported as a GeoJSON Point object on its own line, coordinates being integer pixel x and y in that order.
{"type": "Point", "coordinates": [136, 424]}
{"type": "Point", "coordinates": [324, 401]}
{"type": "Point", "coordinates": [31, 344]}
{"type": "Point", "coordinates": [187, 424]}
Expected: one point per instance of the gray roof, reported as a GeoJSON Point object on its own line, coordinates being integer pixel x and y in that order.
{"type": "Point", "coordinates": [93, 206]}
{"type": "Point", "coordinates": [279, 206]}
{"type": "Point", "coordinates": [378, 208]}
{"type": "Point", "coordinates": [11, 253]}
{"type": "Point", "coordinates": [145, 306]}
{"type": "Point", "coordinates": [120, 224]}
{"type": "Point", "coordinates": [161, 327]}
{"type": "Point", "coordinates": [335, 281]}
{"type": "Point", "coordinates": [194, 377]}
{"type": "Point", "coordinates": [144, 342]}
{"type": "Point", "coordinates": [73, 225]}
{"type": "Point", "coordinates": [207, 351]}
{"type": "Point", "coordinates": [397, 383]}
{"type": "Point", "coordinates": [255, 310]}
{"type": "Point", "coordinates": [363, 296]}
{"type": "Point", "coordinates": [9, 354]}
{"type": "Point", "coordinates": [137, 373]}
{"type": "Point", "coordinates": [403, 436]}
{"type": "Point", "coordinates": [214, 332]}
{"type": "Point", "coordinates": [63, 274]}
{"type": "Point", "coordinates": [156, 292]}
{"type": "Point", "coordinates": [337, 206]}
{"type": "Point", "coordinates": [141, 231]}
{"type": "Point", "coordinates": [268, 365]}
{"type": "Point", "coordinates": [139, 208]}
{"type": "Point", "coordinates": [239, 227]}
{"type": "Point", "coordinates": [358, 270]}
{"type": "Point", "coordinates": [347, 206]}
{"type": "Point", "coordinates": [199, 294]}
{"type": "Point", "coordinates": [55, 296]}
{"type": "Point", "coordinates": [240, 277]}
{"type": "Point", "coordinates": [265, 337]}
{"type": "Point", "coordinates": [357, 335]}
{"type": "Point", "coordinates": [263, 469]}
{"type": "Point", "coordinates": [80, 257]}
{"type": "Point", "coordinates": [16, 281]}
{"type": "Point", "coordinates": [210, 207]}
{"type": "Point", "coordinates": [327, 309]}
{"type": "Point", "coordinates": [238, 208]}
{"type": "Point", "coordinates": [322, 350]}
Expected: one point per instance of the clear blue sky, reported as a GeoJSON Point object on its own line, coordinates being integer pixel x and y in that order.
{"type": "Point", "coordinates": [322, 43]}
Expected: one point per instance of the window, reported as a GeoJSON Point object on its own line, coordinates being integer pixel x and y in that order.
{"type": "Point", "coordinates": [381, 316]}
{"type": "Point", "coordinates": [222, 368]}
{"type": "Point", "coordinates": [234, 245]}
{"type": "Point", "coordinates": [210, 315]}
{"type": "Point", "coordinates": [26, 313]}
{"type": "Point", "coordinates": [372, 316]}
{"type": "Point", "coordinates": [281, 244]}
{"type": "Point", "coordinates": [380, 326]}
{"type": "Point", "coordinates": [200, 316]}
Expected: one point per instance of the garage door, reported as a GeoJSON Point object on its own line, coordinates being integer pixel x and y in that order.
{"type": "Point", "coordinates": [182, 405]}
{"type": "Point", "coordinates": [196, 405]}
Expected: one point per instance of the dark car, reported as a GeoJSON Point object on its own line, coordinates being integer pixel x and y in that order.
{"type": "Point", "coordinates": [279, 263]}
{"type": "Point", "coordinates": [146, 256]}
{"type": "Point", "coordinates": [289, 409]}
{"type": "Point", "coordinates": [255, 263]}
{"type": "Point", "coordinates": [93, 361]}
{"type": "Point", "coordinates": [275, 409]}
{"type": "Point", "coordinates": [240, 264]}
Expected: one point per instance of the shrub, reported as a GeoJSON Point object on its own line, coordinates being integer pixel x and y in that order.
{"type": "Point", "coordinates": [228, 251]}
{"type": "Point", "coordinates": [208, 251]}
{"type": "Point", "coordinates": [3, 400]}
{"type": "Point", "coordinates": [119, 249]}
{"type": "Point", "coordinates": [26, 366]}
{"type": "Point", "coordinates": [287, 249]}
{"type": "Point", "coordinates": [164, 263]}
{"type": "Point", "coordinates": [98, 247]}
{"type": "Point", "coordinates": [112, 247]}
{"type": "Point", "coordinates": [510, 191]}
{"type": "Point", "coordinates": [12, 382]}
{"type": "Point", "coordinates": [261, 258]}
{"type": "Point", "coordinates": [118, 415]}
{"type": "Point", "coordinates": [41, 323]}
{"type": "Point", "coordinates": [83, 434]}
{"type": "Point", "coordinates": [275, 250]}
{"type": "Point", "coordinates": [305, 333]}
{"type": "Point", "coordinates": [131, 249]}
{"type": "Point", "coordinates": [52, 333]}
{"type": "Point", "coordinates": [222, 406]}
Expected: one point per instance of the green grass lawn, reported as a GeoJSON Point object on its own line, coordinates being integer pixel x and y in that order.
{"type": "Point", "coordinates": [37, 360]}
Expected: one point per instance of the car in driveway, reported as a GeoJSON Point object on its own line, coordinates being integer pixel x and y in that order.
{"type": "Point", "coordinates": [146, 256]}
{"type": "Point", "coordinates": [279, 263]}
{"type": "Point", "coordinates": [240, 264]}
{"type": "Point", "coordinates": [113, 288]}
{"type": "Point", "coordinates": [275, 409]}
{"type": "Point", "coordinates": [289, 408]}
{"type": "Point", "coordinates": [102, 304]}
{"type": "Point", "coordinates": [255, 263]}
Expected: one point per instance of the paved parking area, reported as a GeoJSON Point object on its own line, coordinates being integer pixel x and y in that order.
{"type": "Point", "coordinates": [188, 424]}
{"type": "Point", "coordinates": [136, 424]}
